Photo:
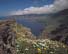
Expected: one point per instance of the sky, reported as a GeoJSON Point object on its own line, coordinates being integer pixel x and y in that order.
{"type": "Point", "coordinates": [22, 7]}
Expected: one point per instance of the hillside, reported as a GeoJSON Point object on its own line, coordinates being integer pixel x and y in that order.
{"type": "Point", "coordinates": [28, 44]}
{"type": "Point", "coordinates": [59, 33]}
{"type": "Point", "coordinates": [23, 32]}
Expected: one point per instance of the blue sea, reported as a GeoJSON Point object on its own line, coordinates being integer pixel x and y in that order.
{"type": "Point", "coordinates": [35, 27]}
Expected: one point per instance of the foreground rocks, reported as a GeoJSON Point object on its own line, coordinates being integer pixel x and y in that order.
{"type": "Point", "coordinates": [7, 37]}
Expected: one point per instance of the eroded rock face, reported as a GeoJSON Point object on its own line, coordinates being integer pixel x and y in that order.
{"type": "Point", "coordinates": [7, 37]}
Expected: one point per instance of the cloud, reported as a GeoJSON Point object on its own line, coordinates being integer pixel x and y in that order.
{"type": "Point", "coordinates": [58, 5]}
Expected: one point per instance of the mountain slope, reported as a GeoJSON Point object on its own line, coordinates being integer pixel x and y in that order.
{"type": "Point", "coordinates": [60, 33]}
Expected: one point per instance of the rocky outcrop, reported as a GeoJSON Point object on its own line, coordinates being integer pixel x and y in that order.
{"type": "Point", "coordinates": [7, 37]}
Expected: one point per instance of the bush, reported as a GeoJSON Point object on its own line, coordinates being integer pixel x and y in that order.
{"type": "Point", "coordinates": [27, 46]}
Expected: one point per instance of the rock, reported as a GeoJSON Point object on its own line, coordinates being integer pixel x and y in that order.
{"type": "Point", "coordinates": [7, 37]}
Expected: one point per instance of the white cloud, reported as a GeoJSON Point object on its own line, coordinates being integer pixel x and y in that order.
{"type": "Point", "coordinates": [58, 5]}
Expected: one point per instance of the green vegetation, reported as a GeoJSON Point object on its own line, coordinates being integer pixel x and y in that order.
{"type": "Point", "coordinates": [47, 46]}
{"type": "Point", "coordinates": [25, 45]}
